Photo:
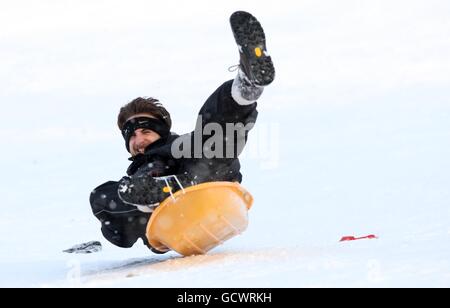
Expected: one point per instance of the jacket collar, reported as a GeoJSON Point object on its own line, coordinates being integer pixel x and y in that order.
{"type": "Point", "coordinates": [156, 147]}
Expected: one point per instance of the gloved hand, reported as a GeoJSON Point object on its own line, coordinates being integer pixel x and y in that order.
{"type": "Point", "coordinates": [146, 192]}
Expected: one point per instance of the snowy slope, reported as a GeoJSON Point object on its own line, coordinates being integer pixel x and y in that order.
{"type": "Point", "coordinates": [353, 138]}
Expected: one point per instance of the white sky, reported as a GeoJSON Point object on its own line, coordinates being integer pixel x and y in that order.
{"type": "Point", "coordinates": [97, 55]}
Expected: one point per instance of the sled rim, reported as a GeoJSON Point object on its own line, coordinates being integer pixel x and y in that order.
{"type": "Point", "coordinates": [155, 243]}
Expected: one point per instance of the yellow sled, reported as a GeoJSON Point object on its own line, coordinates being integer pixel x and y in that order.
{"type": "Point", "coordinates": [199, 218]}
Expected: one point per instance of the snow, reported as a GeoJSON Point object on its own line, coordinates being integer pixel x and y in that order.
{"type": "Point", "coordinates": [353, 138]}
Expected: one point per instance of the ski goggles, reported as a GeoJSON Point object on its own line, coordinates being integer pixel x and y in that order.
{"type": "Point", "coordinates": [153, 124]}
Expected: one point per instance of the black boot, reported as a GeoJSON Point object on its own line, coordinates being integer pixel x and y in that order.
{"type": "Point", "coordinates": [255, 62]}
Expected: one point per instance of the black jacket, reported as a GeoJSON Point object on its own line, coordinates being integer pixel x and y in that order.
{"type": "Point", "coordinates": [123, 224]}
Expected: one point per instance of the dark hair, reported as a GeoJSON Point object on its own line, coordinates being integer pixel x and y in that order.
{"type": "Point", "coordinates": [144, 105]}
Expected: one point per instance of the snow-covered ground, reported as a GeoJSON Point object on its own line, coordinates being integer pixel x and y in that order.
{"type": "Point", "coordinates": [353, 138]}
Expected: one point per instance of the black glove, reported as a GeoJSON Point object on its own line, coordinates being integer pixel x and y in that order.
{"type": "Point", "coordinates": [146, 192]}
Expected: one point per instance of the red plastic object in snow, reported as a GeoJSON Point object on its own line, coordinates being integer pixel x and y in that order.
{"type": "Point", "coordinates": [352, 238]}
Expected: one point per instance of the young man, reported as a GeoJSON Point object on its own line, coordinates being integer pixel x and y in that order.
{"type": "Point", "coordinates": [163, 162]}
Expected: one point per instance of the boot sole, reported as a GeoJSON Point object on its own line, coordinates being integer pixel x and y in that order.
{"type": "Point", "coordinates": [249, 35]}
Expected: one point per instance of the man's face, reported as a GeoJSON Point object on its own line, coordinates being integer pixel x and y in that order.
{"type": "Point", "coordinates": [142, 137]}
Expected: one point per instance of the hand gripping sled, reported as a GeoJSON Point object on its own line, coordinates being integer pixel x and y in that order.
{"type": "Point", "coordinates": [198, 218]}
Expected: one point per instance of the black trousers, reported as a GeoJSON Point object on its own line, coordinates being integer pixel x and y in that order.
{"type": "Point", "coordinates": [122, 224]}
